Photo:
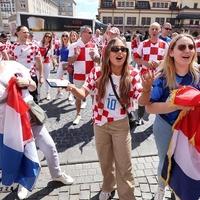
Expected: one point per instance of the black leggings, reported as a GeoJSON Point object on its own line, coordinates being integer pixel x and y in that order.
{"type": "Point", "coordinates": [35, 93]}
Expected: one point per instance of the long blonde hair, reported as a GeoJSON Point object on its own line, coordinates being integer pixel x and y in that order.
{"type": "Point", "coordinates": [168, 66]}
{"type": "Point", "coordinates": [103, 80]}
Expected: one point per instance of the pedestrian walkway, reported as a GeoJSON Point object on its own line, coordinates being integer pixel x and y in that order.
{"type": "Point", "coordinates": [78, 157]}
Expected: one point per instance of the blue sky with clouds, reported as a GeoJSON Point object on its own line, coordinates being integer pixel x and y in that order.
{"type": "Point", "coordinates": [87, 8]}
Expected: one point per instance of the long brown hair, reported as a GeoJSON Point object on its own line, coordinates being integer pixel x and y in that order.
{"type": "Point", "coordinates": [125, 80]}
{"type": "Point", "coordinates": [168, 65]}
{"type": "Point", "coordinates": [43, 39]}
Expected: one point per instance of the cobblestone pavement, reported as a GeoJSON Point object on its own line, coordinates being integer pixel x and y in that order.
{"type": "Point", "coordinates": [78, 157]}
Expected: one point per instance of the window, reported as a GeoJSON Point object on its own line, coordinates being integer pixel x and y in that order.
{"type": "Point", "coordinates": [166, 5]}
{"type": "Point", "coordinates": [118, 20]}
{"type": "Point", "coordinates": [107, 20]}
{"type": "Point", "coordinates": [131, 20]}
{"type": "Point", "coordinates": [160, 20]}
{"type": "Point", "coordinates": [154, 5]}
{"type": "Point", "coordinates": [191, 22]}
{"type": "Point", "coordinates": [196, 22]}
{"type": "Point", "coordinates": [195, 5]}
{"type": "Point", "coordinates": [107, 3]}
{"type": "Point", "coordinates": [119, 4]}
{"type": "Point", "coordinates": [146, 20]}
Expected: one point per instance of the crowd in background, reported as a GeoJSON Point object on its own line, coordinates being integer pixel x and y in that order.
{"type": "Point", "coordinates": [79, 56]}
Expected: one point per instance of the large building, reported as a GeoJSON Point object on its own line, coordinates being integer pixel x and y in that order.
{"type": "Point", "coordinates": [46, 7]}
{"type": "Point", "coordinates": [129, 15]}
{"type": "Point", "coordinates": [67, 7]}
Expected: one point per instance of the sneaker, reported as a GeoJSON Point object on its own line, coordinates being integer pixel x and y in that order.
{"type": "Point", "coordinates": [83, 104]}
{"type": "Point", "coordinates": [59, 95]}
{"type": "Point", "coordinates": [65, 179]}
{"type": "Point", "coordinates": [48, 96]}
{"type": "Point", "coordinates": [160, 194]}
{"type": "Point", "coordinates": [104, 195]}
{"type": "Point", "coordinates": [22, 192]}
{"type": "Point", "coordinates": [71, 97]}
{"type": "Point", "coordinates": [77, 120]}
{"type": "Point", "coordinates": [71, 103]}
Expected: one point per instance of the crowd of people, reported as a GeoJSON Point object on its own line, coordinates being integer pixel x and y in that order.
{"type": "Point", "coordinates": [98, 65]}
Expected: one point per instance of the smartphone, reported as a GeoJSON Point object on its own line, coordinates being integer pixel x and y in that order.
{"type": "Point", "coordinates": [56, 83]}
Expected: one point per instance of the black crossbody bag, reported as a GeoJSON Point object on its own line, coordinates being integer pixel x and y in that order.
{"type": "Point", "coordinates": [132, 116]}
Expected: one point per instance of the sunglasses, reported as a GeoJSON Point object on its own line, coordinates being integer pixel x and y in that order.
{"type": "Point", "coordinates": [183, 47]}
{"type": "Point", "coordinates": [65, 36]}
{"type": "Point", "coordinates": [117, 49]}
{"type": "Point", "coordinates": [47, 36]}
{"type": "Point", "coordinates": [88, 32]}
{"type": "Point", "coordinates": [168, 29]}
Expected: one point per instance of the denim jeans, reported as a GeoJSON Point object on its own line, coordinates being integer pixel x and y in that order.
{"type": "Point", "coordinates": [162, 132]}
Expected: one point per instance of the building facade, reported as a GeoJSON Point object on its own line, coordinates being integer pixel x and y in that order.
{"type": "Point", "coordinates": [130, 15]}
{"type": "Point", "coordinates": [67, 7]}
{"type": "Point", "coordinates": [46, 7]}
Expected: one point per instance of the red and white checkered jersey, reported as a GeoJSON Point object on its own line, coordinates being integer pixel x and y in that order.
{"type": "Point", "coordinates": [84, 62]}
{"type": "Point", "coordinates": [25, 54]}
{"type": "Point", "coordinates": [151, 52]}
{"type": "Point", "coordinates": [198, 45]}
{"type": "Point", "coordinates": [109, 109]}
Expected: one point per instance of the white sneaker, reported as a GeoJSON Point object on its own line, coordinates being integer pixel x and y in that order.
{"type": "Point", "coordinates": [59, 95]}
{"type": "Point", "coordinates": [104, 195]}
{"type": "Point", "coordinates": [77, 120]}
{"type": "Point", "coordinates": [83, 104]}
{"type": "Point", "coordinates": [22, 192]}
{"type": "Point", "coordinates": [71, 97]}
{"type": "Point", "coordinates": [71, 103]}
{"type": "Point", "coordinates": [65, 179]}
{"type": "Point", "coordinates": [160, 194]}
{"type": "Point", "coordinates": [48, 96]}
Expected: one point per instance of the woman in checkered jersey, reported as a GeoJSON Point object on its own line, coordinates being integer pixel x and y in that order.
{"type": "Point", "coordinates": [111, 127]}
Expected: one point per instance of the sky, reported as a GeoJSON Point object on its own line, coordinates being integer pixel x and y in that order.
{"type": "Point", "coordinates": [87, 8]}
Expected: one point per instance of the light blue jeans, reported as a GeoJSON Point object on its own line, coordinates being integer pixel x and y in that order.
{"type": "Point", "coordinates": [162, 132]}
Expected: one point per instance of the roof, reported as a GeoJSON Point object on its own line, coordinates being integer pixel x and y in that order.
{"type": "Point", "coordinates": [188, 16]}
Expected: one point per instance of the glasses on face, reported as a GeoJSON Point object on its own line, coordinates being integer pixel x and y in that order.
{"type": "Point", "coordinates": [168, 29]}
{"type": "Point", "coordinates": [65, 36]}
{"type": "Point", "coordinates": [89, 32]}
{"type": "Point", "coordinates": [182, 47]}
{"type": "Point", "coordinates": [117, 49]}
{"type": "Point", "coordinates": [47, 36]}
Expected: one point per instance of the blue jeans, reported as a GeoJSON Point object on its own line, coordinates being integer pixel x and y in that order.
{"type": "Point", "coordinates": [162, 132]}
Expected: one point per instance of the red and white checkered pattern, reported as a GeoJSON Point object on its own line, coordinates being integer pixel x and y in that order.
{"type": "Point", "coordinates": [151, 52]}
{"type": "Point", "coordinates": [102, 113]}
{"type": "Point", "coordinates": [25, 54]}
{"type": "Point", "coordinates": [198, 45]}
{"type": "Point", "coordinates": [84, 63]}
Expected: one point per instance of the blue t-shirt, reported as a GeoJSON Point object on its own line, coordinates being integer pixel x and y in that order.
{"type": "Point", "coordinates": [63, 52]}
{"type": "Point", "coordinates": [166, 39]}
{"type": "Point", "coordinates": [160, 93]}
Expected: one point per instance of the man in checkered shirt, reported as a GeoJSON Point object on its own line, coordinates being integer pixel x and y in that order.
{"type": "Point", "coordinates": [28, 54]}
{"type": "Point", "coordinates": [151, 51]}
{"type": "Point", "coordinates": [83, 54]}
{"type": "Point", "coordinates": [149, 54]}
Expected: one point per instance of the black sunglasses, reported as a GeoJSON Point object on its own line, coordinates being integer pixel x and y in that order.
{"type": "Point", "coordinates": [65, 36]}
{"type": "Point", "coordinates": [182, 47]}
{"type": "Point", "coordinates": [117, 49]}
{"type": "Point", "coordinates": [47, 36]}
{"type": "Point", "coordinates": [168, 29]}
